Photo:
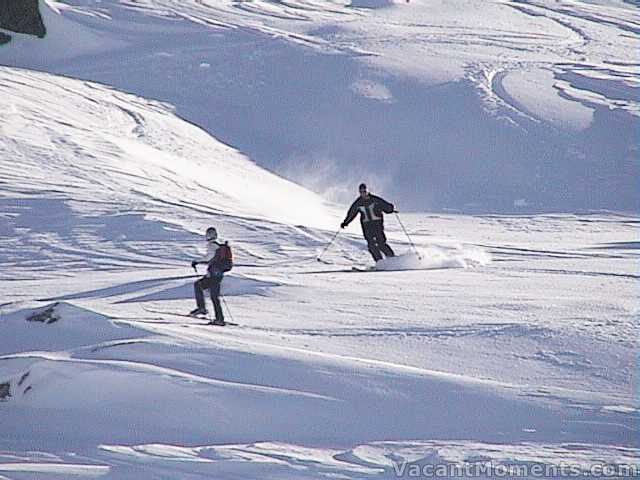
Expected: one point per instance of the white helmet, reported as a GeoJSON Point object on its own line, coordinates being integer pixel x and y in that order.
{"type": "Point", "coordinates": [211, 235]}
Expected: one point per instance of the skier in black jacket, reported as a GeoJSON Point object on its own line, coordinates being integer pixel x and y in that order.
{"type": "Point", "coordinates": [371, 209]}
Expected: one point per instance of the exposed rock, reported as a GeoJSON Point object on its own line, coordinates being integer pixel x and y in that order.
{"type": "Point", "coordinates": [48, 315]}
{"type": "Point", "coordinates": [4, 38]}
{"type": "Point", "coordinates": [5, 390]}
{"type": "Point", "coordinates": [21, 16]}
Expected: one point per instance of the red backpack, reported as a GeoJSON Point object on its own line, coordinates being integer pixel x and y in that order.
{"type": "Point", "coordinates": [223, 259]}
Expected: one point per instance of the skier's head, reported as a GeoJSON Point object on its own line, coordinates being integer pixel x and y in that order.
{"type": "Point", "coordinates": [363, 190]}
{"type": "Point", "coordinates": [211, 235]}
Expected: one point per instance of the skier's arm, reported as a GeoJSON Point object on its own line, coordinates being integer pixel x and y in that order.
{"type": "Point", "coordinates": [205, 260]}
{"type": "Point", "coordinates": [195, 263]}
{"type": "Point", "coordinates": [202, 261]}
{"type": "Point", "coordinates": [351, 214]}
{"type": "Point", "coordinates": [385, 206]}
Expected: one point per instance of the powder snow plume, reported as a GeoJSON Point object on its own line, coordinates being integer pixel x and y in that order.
{"type": "Point", "coordinates": [436, 257]}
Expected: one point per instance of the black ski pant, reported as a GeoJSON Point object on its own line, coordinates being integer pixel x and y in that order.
{"type": "Point", "coordinates": [211, 283]}
{"type": "Point", "coordinates": [376, 239]}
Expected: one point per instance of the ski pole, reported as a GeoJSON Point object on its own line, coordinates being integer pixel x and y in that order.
{"type": "Point", "coordinates": [227, 307]}
{"type": "Point", "coordinates": [407, 234]}
{"type": "Point", "coordinates": [328, 245]}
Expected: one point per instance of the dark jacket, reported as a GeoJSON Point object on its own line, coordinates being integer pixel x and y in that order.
{"type": "Point", "coordinates": [370, 209]}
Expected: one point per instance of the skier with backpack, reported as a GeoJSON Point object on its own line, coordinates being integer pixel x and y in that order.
{"type": "Point", "coordinates": [219, 260]}
{"type": "Point", "coordinates": [371, 209]}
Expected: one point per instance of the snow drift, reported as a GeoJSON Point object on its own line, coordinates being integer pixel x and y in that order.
{"type": "Point", "coordinates": [102, 391]}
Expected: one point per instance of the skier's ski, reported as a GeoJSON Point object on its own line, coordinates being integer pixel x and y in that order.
{"type": "Point", "coordinates": [186, 315]}
{"type": "Point", "coordinates": [371, 269]}
{"type": "Point", "coordinates": [363, 269]}
{"type": "Point", "coordinates": [341, 270]}
{"type": "Point", "coordinates": [390, 270]}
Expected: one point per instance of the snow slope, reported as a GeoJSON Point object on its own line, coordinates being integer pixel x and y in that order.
{"type": "Point", "coordinates": [70, 147]}
{"type": "Point", "coordinates": [504, 106]}
{"type": "Point", "coordinates": [330, 372]}
{"type": "Point", "coordinates": [98, 147]}
{"type": "Point", "coordinates": [512, 343]}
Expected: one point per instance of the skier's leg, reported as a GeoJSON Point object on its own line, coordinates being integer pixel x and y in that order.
{"type": "Point", "coordinates": [369, 236]}
{"type": "Point", "coordinates": [214, 291]}
{"type": "Point", "coordinates": [198, 287]}
{"type": "Point", "coordinates": [382, 242]}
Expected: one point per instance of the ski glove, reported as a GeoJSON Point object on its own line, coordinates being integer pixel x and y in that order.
{"type": "Point", "coordinates": [343, 225]}
{"type": "Point", "coordinates": [193, 264]}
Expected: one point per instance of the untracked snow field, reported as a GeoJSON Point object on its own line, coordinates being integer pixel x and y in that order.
{"type": "Point", "coordinates": [498, 346]}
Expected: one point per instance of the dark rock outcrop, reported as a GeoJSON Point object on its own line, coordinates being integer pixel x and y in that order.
{"type": "Point", "coordinates": [48, 315]}
{"type": "Point", "coordinates": [5, 391]}
{"type": "Point", "coordinates": [21, 16]}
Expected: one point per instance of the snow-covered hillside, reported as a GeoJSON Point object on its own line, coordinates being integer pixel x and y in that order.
{"type": "Point", "coordinates": [495, 105]}
{"type": "Point", "coordinates": [330, 372]}
{"type": "Point", "coordinates": [512, 342]}
{"type": "Point", "coordinates": [72, 148]}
